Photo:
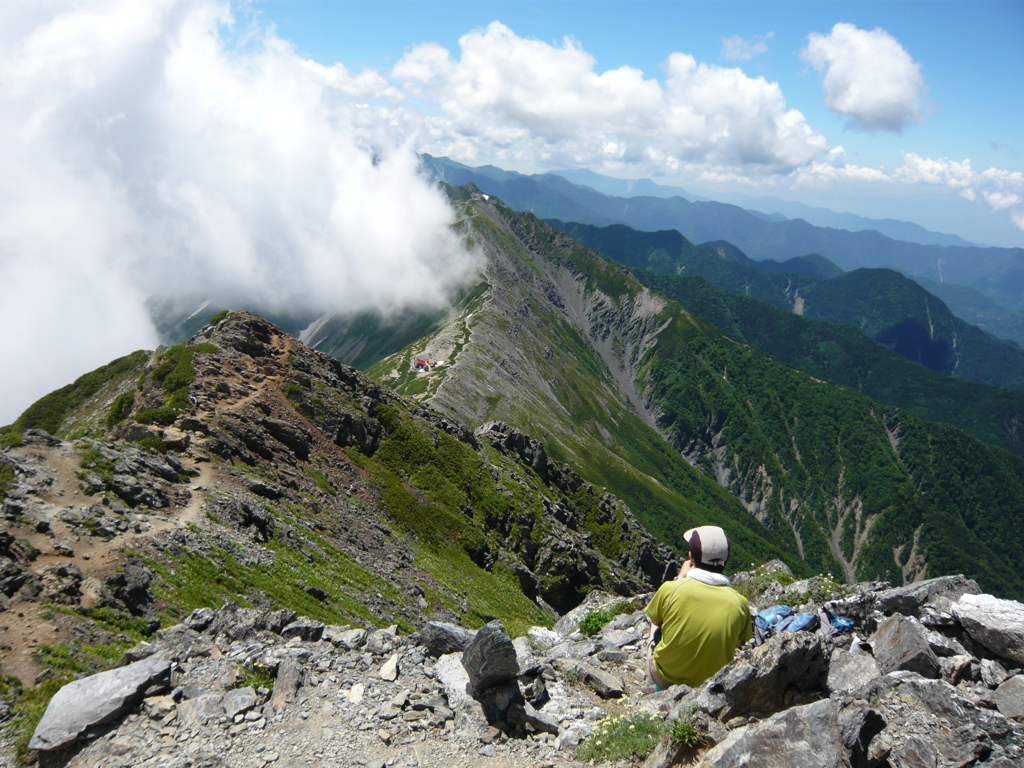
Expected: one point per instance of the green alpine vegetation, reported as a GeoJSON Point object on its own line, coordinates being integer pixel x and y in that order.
{"type": "Point", "coordinates": [844, 355]}
{"type": "Point", "coordinates": [55, 412]}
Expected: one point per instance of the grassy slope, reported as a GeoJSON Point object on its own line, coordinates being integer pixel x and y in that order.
{"type": "Point", "coordinates": [526, 364]}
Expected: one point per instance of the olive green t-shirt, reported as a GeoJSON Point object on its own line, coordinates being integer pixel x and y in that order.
{"type": "Point", "coordinates": [700, 628]}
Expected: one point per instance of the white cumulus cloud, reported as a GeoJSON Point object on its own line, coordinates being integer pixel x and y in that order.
{"type": "Point", "coordinates": [1000, 189]}
{"type": "Point", "coordinates": [149, 150]}
{"type": "Point", "coordinates": [868, 77]}
{"type": "Point", "coordinates": [524, 100]}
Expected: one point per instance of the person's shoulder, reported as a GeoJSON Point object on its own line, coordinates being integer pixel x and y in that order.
{"type": "Point", "coordinates": [740, 599]}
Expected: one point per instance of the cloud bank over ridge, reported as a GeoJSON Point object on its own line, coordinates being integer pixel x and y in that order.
{"type": "Point", "coordinates": [150, 149]}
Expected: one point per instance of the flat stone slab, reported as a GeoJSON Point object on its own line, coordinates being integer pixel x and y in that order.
{"type": "Point", "coordinates": [81, 707]}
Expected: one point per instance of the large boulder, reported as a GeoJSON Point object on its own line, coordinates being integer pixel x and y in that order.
{"type": "Point", "coordinates": [469, 714]}
{"type": "Point", "coordinates": [439, 638]}
{"type": "Point", "coordinates": [901, 644]}
{"type": "Point", "coordinates": [996, 624]}
{"type": "Point", "coordinates": [939, 593]}
{"type": "Point", "coordinates": [764, 680]}
{"type": "Point", "coordinates": [490, 658]}
{"type": "Point", "coordinates": [848, 671]}
{"type": "Point", "coordinates": [82, 708]}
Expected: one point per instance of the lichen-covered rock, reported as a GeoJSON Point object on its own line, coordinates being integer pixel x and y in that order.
{"type": "Point", "coordinates": [801, 737]}
{"type": "Point", "coordinates": [848, 671]}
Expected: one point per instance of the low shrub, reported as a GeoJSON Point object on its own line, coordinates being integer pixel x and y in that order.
{"type": "Point", "coordinates": [620, 737]}
{"type": "Point", "coordinates": [594, 621]}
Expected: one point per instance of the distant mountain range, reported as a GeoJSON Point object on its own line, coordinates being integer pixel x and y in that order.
{"type": "Point", "coordinates": [998, 273]}
{"type": "Point", "coordinates": [769, 208]}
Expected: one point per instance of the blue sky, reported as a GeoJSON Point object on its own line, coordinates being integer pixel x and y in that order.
{"type": "Point", "coordinates": [969, 55]}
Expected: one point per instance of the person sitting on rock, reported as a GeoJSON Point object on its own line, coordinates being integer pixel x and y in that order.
{"type": "Point", "coordinates": [701, 617]}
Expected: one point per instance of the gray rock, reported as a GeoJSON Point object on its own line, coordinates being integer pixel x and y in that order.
{"type": "Point", "coordinates": [614, 639]}
{"type": "Point", "coordinates": [276, 621]}
{"type": "Point", "coordinates": [198, 711]}
{"type": "Point", "coordinates": [543, 638]}
{"type": "Point", "coordinates": [200, 619]}
{"type": "Point", "coordinates": [530, 720]}
{"type": "Point", "coordinates": [290, 677]}
{"type": "Point", "coordinates": [953, 727]}
{"type": "Point", "coordinates": [900, 644]}
{"type": "Point", "coordinates": [939, 593]}
{"type": "Point", "coordinates": [380, 642]}
{"type": "Point", "coordinates": [332, 633]}
{"type": "Point", "coordinates": [1010, 697]}
{"type": "Point", "coordinates": [942, 645]}
{"type": "Point", "coordinates": [763, 680]}
{"type": "Point", "coordinates": [240, 700]}
{"type": "Point", "coordinates": [469, 714]}
{"type": "Point", "coordinates": [490, 659]}
{"type": "Point", "coordinates": [295, 438]}
{"type": "Point", "coordinates": [848, 671]}
{"type": "Point", "coordinates": [801, 737]}
{"type": "Point", "coordinates": [992, 673]}
{"type": "Point", "coordinates": [82, 707]}
{"type": "Point", "coordinates": [996, 624]}
{"type": "Point", "coordinates": [666, 754]}
{"type": "Point", "coordinates": [350, 640]}
{"type": "Point", "coordinates": [304, 628]}
{"type": "Point", "coordinates": [604, 684]}
{"type": "Point", "coordinates": [577, 649]}
{"type": "Point", "coordinates": [440, 638]}
{"type": "Point", "coordinates": [389, 671]}
{"type": "Point", "coordinates": [956, 668]}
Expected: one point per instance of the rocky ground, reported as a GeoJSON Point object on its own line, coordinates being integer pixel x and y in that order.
{"type": "Point", "coordinates": [931, 677]}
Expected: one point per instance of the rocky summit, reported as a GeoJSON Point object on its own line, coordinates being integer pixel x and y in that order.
{"type": "Point", "coordinates": [244, 687]}
{"type": "Point", "coordinates": [240, 552]}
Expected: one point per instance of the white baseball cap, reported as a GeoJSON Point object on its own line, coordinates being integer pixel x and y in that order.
{"type": "Point", "coordinates": [708, 545]}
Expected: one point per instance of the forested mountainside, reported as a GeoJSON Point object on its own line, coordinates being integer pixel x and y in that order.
{"type": "Point", "coordinates": [846, 356]}
{"type": "Point", "coordinates": [569, 347]}
{"type": "Point", "coordinates": [890, 308]}
{"type": "Point", "coordinates": [996, 272]}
